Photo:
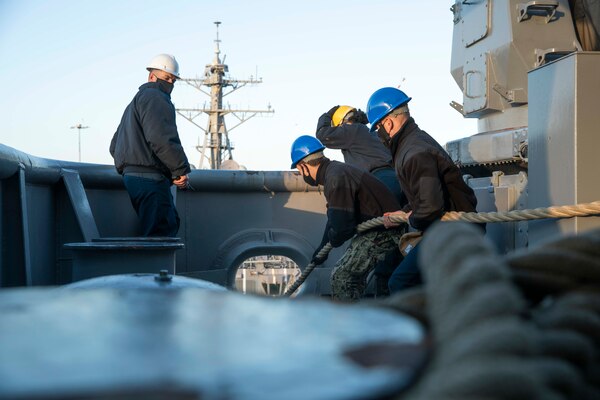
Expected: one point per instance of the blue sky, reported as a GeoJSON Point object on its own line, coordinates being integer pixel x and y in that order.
{"type": "Point", "coordinates": [66, 62]}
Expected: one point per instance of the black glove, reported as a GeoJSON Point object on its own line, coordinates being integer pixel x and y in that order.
{"type": "Point", "coordinates": [360, 117]}
{"type": "Point", "coordinates": [319, 260]}
{"type": "Point", "coordinates": [323, 122]}
{"type": "Point", "coordinates": [332, 111]}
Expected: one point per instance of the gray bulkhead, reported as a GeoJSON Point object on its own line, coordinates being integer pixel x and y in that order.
{"type": "Point", "coordinates": [524, 77]}
{"type": "Point", "coordinates": [228, 217]}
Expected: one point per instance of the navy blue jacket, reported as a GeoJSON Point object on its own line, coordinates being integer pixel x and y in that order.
{"type": "Point", "coordinates": [147, 138]}
{"type": "Point", "coordinates": [360, 147]}
{"type": "Point", "coordinates": [431, 181]}
{"type": "Point", "coordinates": [353, 197]}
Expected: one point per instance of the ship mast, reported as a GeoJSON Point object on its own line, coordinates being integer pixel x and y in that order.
{"type": "Point", "coordinates": [216, 138]}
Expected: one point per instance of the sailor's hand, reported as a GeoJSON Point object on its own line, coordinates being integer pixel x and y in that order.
{"type": "Point", "coordinates": [181, 182]}
{"type": "Point", "coordinates": [389, 223]}
{"type": "Point", "coordinates": [361, 117]}
{"type": "Point", "coordinates": [318, 261]}
{"type": "Point", "coordinates": [332, 111]}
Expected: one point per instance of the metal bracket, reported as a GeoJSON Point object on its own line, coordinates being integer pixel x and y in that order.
{"type": "Point", "coordinates": [457, 106]}
{"type": "Point", "coordinates": [536, 7]}
{"type": "Point", "coordinates": [456, 11]}
{"type": "Point", "coordinates": [495, 180]}
{"type": "Point", "coordinates": [80, 203]}
{"type": "Point", "coordinates": [543, 56]}
{"type": "Point", "coordinates": [25, 225]}
{"type": "Point", "coordinates": [509, 95]}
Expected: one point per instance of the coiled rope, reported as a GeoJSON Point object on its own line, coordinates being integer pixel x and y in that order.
{"type": "Point", "coordinates": [489, 341]}
{"type": "Point", "coordinates": [568, 211]}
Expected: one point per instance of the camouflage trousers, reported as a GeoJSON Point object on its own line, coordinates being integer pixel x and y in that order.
{"type": "Point", "coordinates": [349, 277]}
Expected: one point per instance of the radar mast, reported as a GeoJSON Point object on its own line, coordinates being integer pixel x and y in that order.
{"type": "Point", "coordinates": [216, 135]}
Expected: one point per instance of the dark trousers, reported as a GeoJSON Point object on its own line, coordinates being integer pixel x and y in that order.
{"type": "Point", "coordinates": [153, 203]}
{"type": "Point", "coordinates": [390, 180]}
{"type": "Point", "coordinates": [384, 269]}
{"type": "Point", "coordinates": [406, 274]}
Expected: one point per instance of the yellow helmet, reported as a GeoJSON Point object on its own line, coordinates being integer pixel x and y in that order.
{"type": "Point", "coordinates": [340, 114]}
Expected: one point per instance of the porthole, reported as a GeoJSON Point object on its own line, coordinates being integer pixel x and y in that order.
{"type": "Point", "coordinates": [266, 275]}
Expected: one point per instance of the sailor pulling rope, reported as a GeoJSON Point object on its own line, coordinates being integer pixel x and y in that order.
{"type": "Point", "coordinates": [569, 211]}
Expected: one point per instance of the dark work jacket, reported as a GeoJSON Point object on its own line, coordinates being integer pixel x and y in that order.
{"type": "Point", "coordinates": [431, 181]}
{"type": "Point", "coordinates": [353, 196]}
{"type": "Point", "coordinates": [147, 139]}
{"type": "Point", "coordinates": [360, 147]}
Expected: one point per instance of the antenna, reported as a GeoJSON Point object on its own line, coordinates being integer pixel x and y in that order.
{"type": "Point", "coordinates": [216, 135]}
{"type": "Point", "coordinates": [217, 40]}
{"type": "Point", "coordinates": [79, 127]}
{"type": "Point", "coordinates": [217, 23]}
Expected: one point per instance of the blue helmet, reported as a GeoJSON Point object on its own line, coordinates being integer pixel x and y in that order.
{"type": "Point", "coordinates": [304, 146]}
{"type": "Point", "coordinates": [382, 102]}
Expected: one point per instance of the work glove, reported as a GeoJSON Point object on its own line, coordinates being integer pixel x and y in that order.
{"type": "Point", "coordinates": [332, 111]}
{"type": "Point", "coordinates": [325, 119]}
{"type": "Point", "coordinates": [319, 260]}
{"type": "Point", "coordinates": [361, 117]}
{"type": "Point", "coordinates": [324, 122]}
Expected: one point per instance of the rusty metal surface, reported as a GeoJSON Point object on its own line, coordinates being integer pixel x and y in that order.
{"type": "Point", "coordinates": [195, 343]}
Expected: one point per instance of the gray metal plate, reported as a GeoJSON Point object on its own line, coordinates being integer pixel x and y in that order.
{"type": "Point", "coordinates": [195, 343]}
{"type": "Point", "coordinates": [143, 281]}
{"type": "Point", "coordinates": [475, 21]}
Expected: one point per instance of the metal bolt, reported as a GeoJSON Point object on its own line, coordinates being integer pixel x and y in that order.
{"type": "Point", "coordinates": [163, 276]}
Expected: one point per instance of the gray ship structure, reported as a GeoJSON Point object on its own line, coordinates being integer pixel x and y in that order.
{"type": "Point", "coordinates": [90, 310]}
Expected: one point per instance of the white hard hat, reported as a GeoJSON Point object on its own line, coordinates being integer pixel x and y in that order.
{"type": "Point", "coordinates": [165, 62]}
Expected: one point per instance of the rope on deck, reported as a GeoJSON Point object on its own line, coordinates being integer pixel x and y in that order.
{"type": "Point", "coordinates": [490, 342]}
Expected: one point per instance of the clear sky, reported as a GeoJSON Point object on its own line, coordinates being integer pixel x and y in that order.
{"type": "Point", "coordinates": [66, 62]}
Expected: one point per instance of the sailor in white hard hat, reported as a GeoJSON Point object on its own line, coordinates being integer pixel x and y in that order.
{"type": "Point", "coordinates": [147, 150]}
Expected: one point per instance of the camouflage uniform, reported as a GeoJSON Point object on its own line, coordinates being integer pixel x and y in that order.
{"type": "Point", "coordinates": [349, 276]}
{"type": "Point", "coordinates": [354, 196]}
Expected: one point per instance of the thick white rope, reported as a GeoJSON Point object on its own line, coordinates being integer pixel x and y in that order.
{"type": "Point", "coordinates": [577, 210]}
{"type": "Point", "coordinates": [546, 348]}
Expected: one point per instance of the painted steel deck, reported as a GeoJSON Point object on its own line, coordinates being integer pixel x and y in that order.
{"type": "Point", "coordinates": [200, 343]}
